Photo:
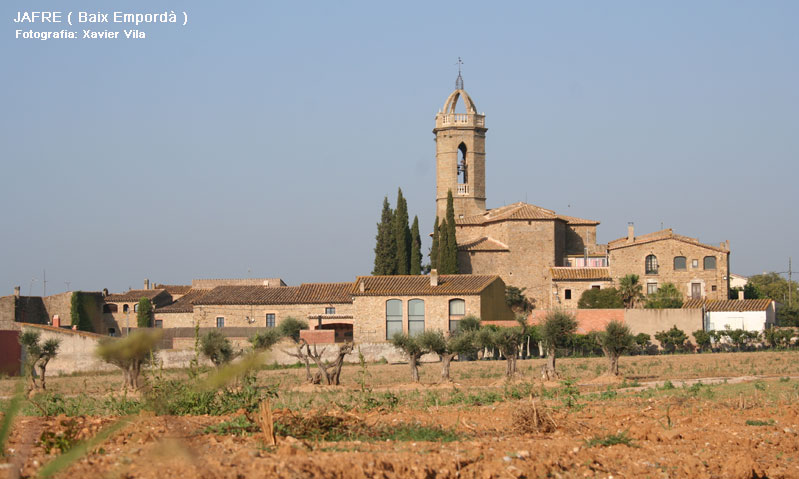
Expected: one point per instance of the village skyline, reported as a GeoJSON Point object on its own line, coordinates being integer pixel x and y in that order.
{"type": "Point", "coordinates": [262, 145]}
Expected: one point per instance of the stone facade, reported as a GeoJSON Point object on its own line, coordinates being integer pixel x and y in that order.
{"type": "Point", "coordinates": [255, 315]}
{"type": "Point", "coordinates": [694, 279]}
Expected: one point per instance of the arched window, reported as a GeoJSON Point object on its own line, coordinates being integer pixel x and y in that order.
{"type": "Point", "coordinates": [457, 309]}
{"type": "Point", "coordinates": [136, 308]}
{"type": "Point", "coordinates": [124, 308]}
{"type": "Point", "coordinates": [393, 317]}
{"type": "Point", "coordinates": [462, 171]}
{"type": "Point", "coordinates": [710, 262]}
{"type": "Point", "coordinates": [651, 264]}
{"type": "Point", "coordinates": [415, 316]}
{"type": "Point", "coordinates": [679, 262]}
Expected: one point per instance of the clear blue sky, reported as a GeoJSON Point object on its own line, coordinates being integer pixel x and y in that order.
{"type": "Point", "coordinates": [261, 138]}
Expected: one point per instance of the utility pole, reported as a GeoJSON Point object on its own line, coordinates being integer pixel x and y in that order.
{"type": "Point", "coordinates": [790, 283]}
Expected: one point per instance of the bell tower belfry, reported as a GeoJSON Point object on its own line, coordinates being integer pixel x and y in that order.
{"type": "Point", "coordinates": [460, 156]}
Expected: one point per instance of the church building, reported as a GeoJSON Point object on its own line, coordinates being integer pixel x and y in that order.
{"type": "Point", "coordinates": [555, 257]}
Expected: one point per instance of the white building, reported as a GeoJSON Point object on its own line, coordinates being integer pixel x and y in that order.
{"type": "Point", "coordinates": [747, 314]}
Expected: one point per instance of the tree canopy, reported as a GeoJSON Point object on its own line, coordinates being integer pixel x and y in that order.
{"type": "Point", "coordinates": [608, 298]}
{"type": "Point", "coordinates": [666, 297]}
{"type": "Point", "coordinates": [144, 314]}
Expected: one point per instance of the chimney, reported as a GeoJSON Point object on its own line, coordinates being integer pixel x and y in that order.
{"type": "Point", "coordinates": [741, 295]}
{"type": "Point", "coordinates": [56, 321]}
{"type": "Point", "coordinates": [362, 287]}
{"type": "Point", "coordinates": [630, 232]}
{"type": "Point", "coordinates": [434, 277]}
{"type": "Point", "coordinates": [105, 292]}
{"type": "Point", "coordinates": [146, 283]}
{"type": "Point", "coordinates": [16, 291]}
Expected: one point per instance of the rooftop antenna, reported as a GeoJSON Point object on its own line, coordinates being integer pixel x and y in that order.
{"type": "Point", "coordinates": [459, 80]}
{"type": "Point", "coordinates": [67, 283]}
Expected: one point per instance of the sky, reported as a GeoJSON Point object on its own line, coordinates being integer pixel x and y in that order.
{"type": "Point", "coordinates": [260, 139]}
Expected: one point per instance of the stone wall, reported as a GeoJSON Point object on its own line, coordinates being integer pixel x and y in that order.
{"type": "Point", "coordinates": [651, 321]}
{"type": "Point", "coordinates": [213, 283]}
{"type": "Point", "coordinates": [577, 289]}
{"type": "Point", "coordinates": [631, 260]}
{"type": "Point", "coordinates": [579, 237]}
{"type": "Point", "coordinates": [236, 315]}
{"type": "Point", "coordinates": [175, 320]}
{"type": "Point", "coordinates": [76, 352]}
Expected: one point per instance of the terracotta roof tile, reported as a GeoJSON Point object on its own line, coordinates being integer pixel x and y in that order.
{"type": "Point", "coordinates": [567, 274]}
{"type": "Point", "coordinates": [415, 285]}
{"type": "Point", "coordinates": [572, 220]}
{"type": "Point", "coordinates": [134, 295]}
{"type": "Point", "coordinates": [307, 293]}
{"type": "Point", "coordinates": [516, 211]}
{"type": "Point", "coordinates": [728, 304]}
{"type": "Point", "coordinates": [174, 288]}
{"type": "Point", "coordinates": [483, 244]}
{"type": "Point", "coordinates": [185, 304]}
{"type": "Point", "coordinates": [658, 236]}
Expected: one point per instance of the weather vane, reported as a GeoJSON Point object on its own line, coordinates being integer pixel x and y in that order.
{"type": "Point", "coordinates": [459, 80]}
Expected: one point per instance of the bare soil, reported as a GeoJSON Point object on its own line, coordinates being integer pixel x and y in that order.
{"type": "Point", "coordinates": [743, 427]}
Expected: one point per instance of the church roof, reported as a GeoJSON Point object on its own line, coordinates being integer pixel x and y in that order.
{"type": "Point", "coordinates": [572, 220]}
{"type": "Point", "coordinates": [516, 212]}
{"type": "Point", "coordinates": [576, 274]}
{"type": "Point", "coordinates": [418, 285]}
{"type": "Point", "coordinates": [483, 244]}
{"type": "Point", "coordinates": [659, 236]}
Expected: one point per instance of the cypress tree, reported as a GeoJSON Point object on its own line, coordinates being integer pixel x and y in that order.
{"type": "Point", "coordinates": [385, 259]}
{"type": "Point", "coordinates": [452, 245]}
{"type": "Point", "coordinates": [402, 236]}
{"type": "Point", "coordinates": [443, 257]}
{"type": "Point", "coordinates": [416, 248]}
{"type": "Point", "coordinates": [144, 316]}
{"type": "Point", "coordinates": [434, 248]}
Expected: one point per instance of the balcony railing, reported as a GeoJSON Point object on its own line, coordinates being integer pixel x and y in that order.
{"type": "Point", "coordinates": [463, 190]}
{"type": "Point", "coordinates": [470, 119]}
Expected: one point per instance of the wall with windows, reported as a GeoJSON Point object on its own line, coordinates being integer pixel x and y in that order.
{"type": "Point", "coordinates": [256, 315]}
{"type": "Point", "coordinates": [569, 292]}
{"type": "Point", "coordinates": [694, 269]}
{"type": "Point", "coordinates": [379, 316]}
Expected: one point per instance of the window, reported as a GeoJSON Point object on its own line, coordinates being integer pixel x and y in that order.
{"type": "Point", "coordinates": [713, 288]}
{"type": "Point", "coordinates": [330, 310]}
{"type": "Point", "coordinates": [709, 262]}
{"type": "Point", "coordinates": [124, 308]}
{"type": "Point", "coordinates": [694, 263]}
{"type": "Point", "coordinates": [596, 286]}
{"type": "Point", "coordinates": [679, 263]}
{"type": "Point", "coordinates": [220, 322]}
{"type": "Point", "coordinates": [270, 320]}
{"type": "Point", "coordinates": [457, 310]}
{"type": "Point", "coordinates": [651, 264]}
{"type": "Point", "coordinates": [112, 332]}
{"type": "Point", "coordinates": [159, 323]}
{"type": "Point", "coordinates": [567, 294]}
{"type": "Point", "coordinates": [393, 317]}
{"type": "Point", "coordinates": [136, 308]}
{"type": "Point", "coordinates": [651, 288]}
{"type": "Point", "coordinates": [463, 177]}
{"type": "Point", "coordinates": [415, 316]}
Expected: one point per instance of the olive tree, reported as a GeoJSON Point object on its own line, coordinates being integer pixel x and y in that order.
{"type": "Point", "coordinates": [557, 328]}
{"type": "Point", "coordinates": [130, 354]}
{"type": "Point", "coordinates": [290, 328]}
{"type": "Point", "coordinates": [264, 341]}
{"type": "Point", "coordinates": [615, 340]}
{"type": "Point", "coordinates": [447, 347]}
{"type": "Point", "coordinates": [216, 347]}
{"type": "Point", "coordinates": [413, 348]}
{"type": "Point", "coordinates": [37, 356]}
{"type": "Point", "coordinates": [508, 341]}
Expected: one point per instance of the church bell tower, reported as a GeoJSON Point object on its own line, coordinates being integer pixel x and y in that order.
{"type": "Point", "coordinates": [460, 156]}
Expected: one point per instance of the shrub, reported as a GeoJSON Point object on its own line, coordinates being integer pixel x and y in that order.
{"type": "Point", "coordinates": [666, 297]}
{"type": "Point", "coordinates": [608, 298]}
{"type": "Point", "coordinates": [616, 339]}
{"type": "Point", "coordinates": [672, 340]}
{"type": "Point", "coordinates": [216, 347]}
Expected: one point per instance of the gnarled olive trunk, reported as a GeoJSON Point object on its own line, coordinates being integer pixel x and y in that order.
{"type": "Point", "coordinates": [413, 361]}
{"type": "Point", "coordinates": [446, 359]}
{"type": "Point", "coordinates": [42, 365]}
{"type": "Point", "coordinates": [548, 372]}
